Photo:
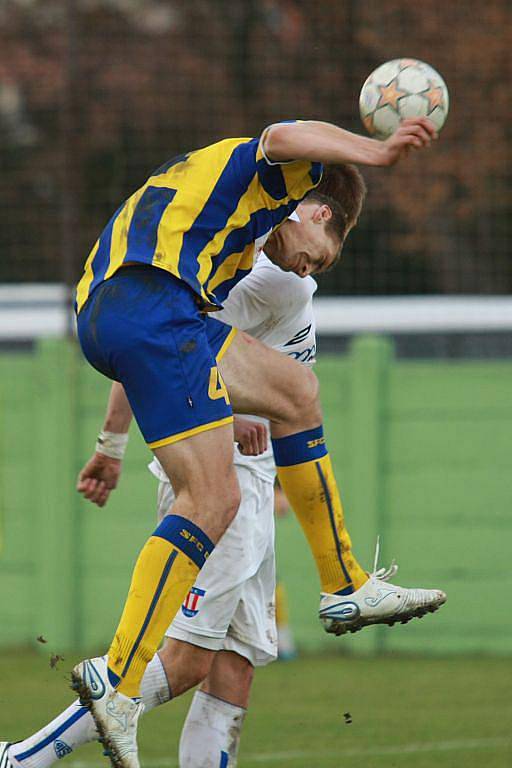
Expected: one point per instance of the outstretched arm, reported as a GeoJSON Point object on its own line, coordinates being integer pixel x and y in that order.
{"type": "Point", "coordinates": [326, 143]}
{"type": "Point", "coordinates": [101, 473]}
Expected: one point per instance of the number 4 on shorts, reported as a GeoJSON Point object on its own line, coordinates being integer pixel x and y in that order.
{"type": "Point", "coordinates": [216, 387]}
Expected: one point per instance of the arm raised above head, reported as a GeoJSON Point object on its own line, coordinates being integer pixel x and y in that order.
{"type": "Point", "coordinates": [327, 143]}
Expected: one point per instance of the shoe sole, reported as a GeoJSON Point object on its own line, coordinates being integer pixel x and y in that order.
{"type": "Point", "coordinates": [339, 628]}
{"type": "Point", "coordinates": [110, 750]}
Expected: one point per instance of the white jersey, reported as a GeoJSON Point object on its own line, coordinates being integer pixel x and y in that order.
{"type": "Point", "coordinates": [275, 307]}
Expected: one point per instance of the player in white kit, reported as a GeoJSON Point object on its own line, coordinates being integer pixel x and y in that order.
{"type": "Point", "coordinates": [235, 611]}
{"type": "Point", "coordinates": [226, 626]}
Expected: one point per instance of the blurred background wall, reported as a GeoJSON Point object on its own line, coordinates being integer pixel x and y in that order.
{"type": "Point", "coordinates": [421, 450]}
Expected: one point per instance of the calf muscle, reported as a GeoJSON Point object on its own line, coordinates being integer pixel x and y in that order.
{"type": "Point", "coordinates": [203, 477]}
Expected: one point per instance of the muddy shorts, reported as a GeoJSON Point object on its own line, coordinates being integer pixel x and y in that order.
{"type": "Point", "coordinates": [143, 328]}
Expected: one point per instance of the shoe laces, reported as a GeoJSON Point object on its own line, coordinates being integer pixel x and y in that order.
{"type": "Point", "coordinates": [383, 574]}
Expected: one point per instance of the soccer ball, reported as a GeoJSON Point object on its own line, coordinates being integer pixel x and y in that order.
{"type": "Point", "coordinates": [402, 88]}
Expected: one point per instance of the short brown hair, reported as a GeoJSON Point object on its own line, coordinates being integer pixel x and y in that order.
{"type": "Point", "coordinates": [343, 189]}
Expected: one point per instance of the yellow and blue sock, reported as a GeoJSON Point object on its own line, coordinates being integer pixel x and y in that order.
{"type": "Point", "coordinates": [306, 476]}
{"type": "Point", "coordinates": [165, 570]}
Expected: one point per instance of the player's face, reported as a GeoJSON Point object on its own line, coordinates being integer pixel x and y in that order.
{"type": "Point", "coordinates": [304, 246]}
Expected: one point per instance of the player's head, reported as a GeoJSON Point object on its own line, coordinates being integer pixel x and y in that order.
{"type": "Point", "coordinates": [345, 188]}
{"type": "Point", "coordinates": [313, 243]}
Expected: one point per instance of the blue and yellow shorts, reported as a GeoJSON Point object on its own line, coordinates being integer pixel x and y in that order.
{"type": "Point", "coordinates": [143, 327]}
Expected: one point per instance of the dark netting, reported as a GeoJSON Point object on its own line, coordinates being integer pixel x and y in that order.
{"type": "Point", "coordinates": [96, 93]}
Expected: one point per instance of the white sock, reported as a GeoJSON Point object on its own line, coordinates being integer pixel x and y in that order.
{"type": "Point", "coordinates": [75, 725]}
{"type": "Point", "coordinates": [154, 688]}
{"type": "Point", "coordinates": [211, 735]}
{"type": "Point", "coordinates": [68, 730]}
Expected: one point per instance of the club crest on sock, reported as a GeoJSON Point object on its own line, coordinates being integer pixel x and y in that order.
{"type": "Point", "coordinates": [61, 748]}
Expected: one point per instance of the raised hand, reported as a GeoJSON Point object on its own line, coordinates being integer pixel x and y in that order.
{"type": "Point", "coordinates": [414, 132]}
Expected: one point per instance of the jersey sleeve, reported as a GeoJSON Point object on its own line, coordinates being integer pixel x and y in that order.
{"type": "Point", "coordinates": [291, 179]}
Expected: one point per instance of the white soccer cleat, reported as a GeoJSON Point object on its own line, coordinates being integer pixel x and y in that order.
{"type": "Point", "coordinates": [4, 756]}
{"type": "Point", "coordinates": [115, 714]}
{"type": "Point", "coordinates": [377, 602]}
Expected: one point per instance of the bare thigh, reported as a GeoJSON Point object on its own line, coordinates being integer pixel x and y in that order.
{"type": "Point", "coordinates": [264, 382]}
{"type": "Point", "coordinates": [204, 480]}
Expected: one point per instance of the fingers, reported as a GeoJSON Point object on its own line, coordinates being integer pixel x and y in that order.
{"type": "Point", "coordinates": [244, 444]}
{"type": "Point", "coordinates": [417, 136]}
{"type": "Point", "coordinates": [254, 439]}
{"type": "Point", "coordinates": [102, 497]}
{"type": "Point", "coordinates": [95, 491]}
{"type": "Point", "coordinates": [426, 124]}
{"type": "Point", "coordinates": [413, 133]}
{"type": "Point", "coordinates": [417, 132]}
{"type": "Point", "coordinates": [98, 478]}
{"type": "Point", "coordinates": [259, 439]}
{"type": "Point", "coordinates": [262, 438]}
{"type": "Point", "coordinates": [249, 444]}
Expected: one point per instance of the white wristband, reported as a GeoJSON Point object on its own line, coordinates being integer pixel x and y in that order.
{"type": "Point", "coordinates": [112, 444]}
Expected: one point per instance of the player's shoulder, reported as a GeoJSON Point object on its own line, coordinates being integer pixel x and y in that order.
{"type": "Point", "coordinates": [283, 289]}
{"type": "Point", "coordinates": [231, 143]}
{"type": "Point", "coordinates": [235, 152]}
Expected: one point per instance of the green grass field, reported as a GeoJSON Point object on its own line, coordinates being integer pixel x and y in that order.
{"type": "Point", "coordinates": [426, 713]}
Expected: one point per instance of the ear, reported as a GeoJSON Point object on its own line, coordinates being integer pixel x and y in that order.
{"type": "Point", "coordinates": [322, 213]}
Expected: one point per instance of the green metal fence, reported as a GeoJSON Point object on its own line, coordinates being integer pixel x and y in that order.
{"type": "Point", "coordinates": [422, 454]}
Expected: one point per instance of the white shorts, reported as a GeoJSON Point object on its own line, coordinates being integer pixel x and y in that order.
{"type": "Point", "coordinates": [231, 606]}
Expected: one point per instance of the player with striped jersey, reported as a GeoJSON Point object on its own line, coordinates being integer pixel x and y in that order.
{"type": "Point", "coordinates": [170, 254]}
{"type": "Point", "coordinates": [226, 626]}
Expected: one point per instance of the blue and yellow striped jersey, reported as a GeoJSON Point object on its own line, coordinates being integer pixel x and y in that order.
{"type": "Point", "coordinates": [201, 217]}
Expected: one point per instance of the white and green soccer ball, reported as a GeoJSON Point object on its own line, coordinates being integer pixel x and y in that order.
{"type": "Point", "coordinates": [399, 89]}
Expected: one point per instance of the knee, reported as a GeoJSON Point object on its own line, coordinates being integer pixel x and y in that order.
{"type": "Point", "coordinates": [238, 676]}
{"type": "Point", "coordinates": [245, 672]}
{"type": "Point", "coordinates": [306, 394]}
{"type": "Point", "coordinates": [198, 670]}
{"type": "Point", "coordinates": [185, 665]}
{"type": "Point", "coordinates": [230, 678]}
{"type": "Point", "coordinates": [312, 387]}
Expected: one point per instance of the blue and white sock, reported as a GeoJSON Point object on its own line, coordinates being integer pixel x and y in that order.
{"type": "Point", "coordinates": [75, 726]}
{"type": "Point", "coordinates": [211, 734]}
